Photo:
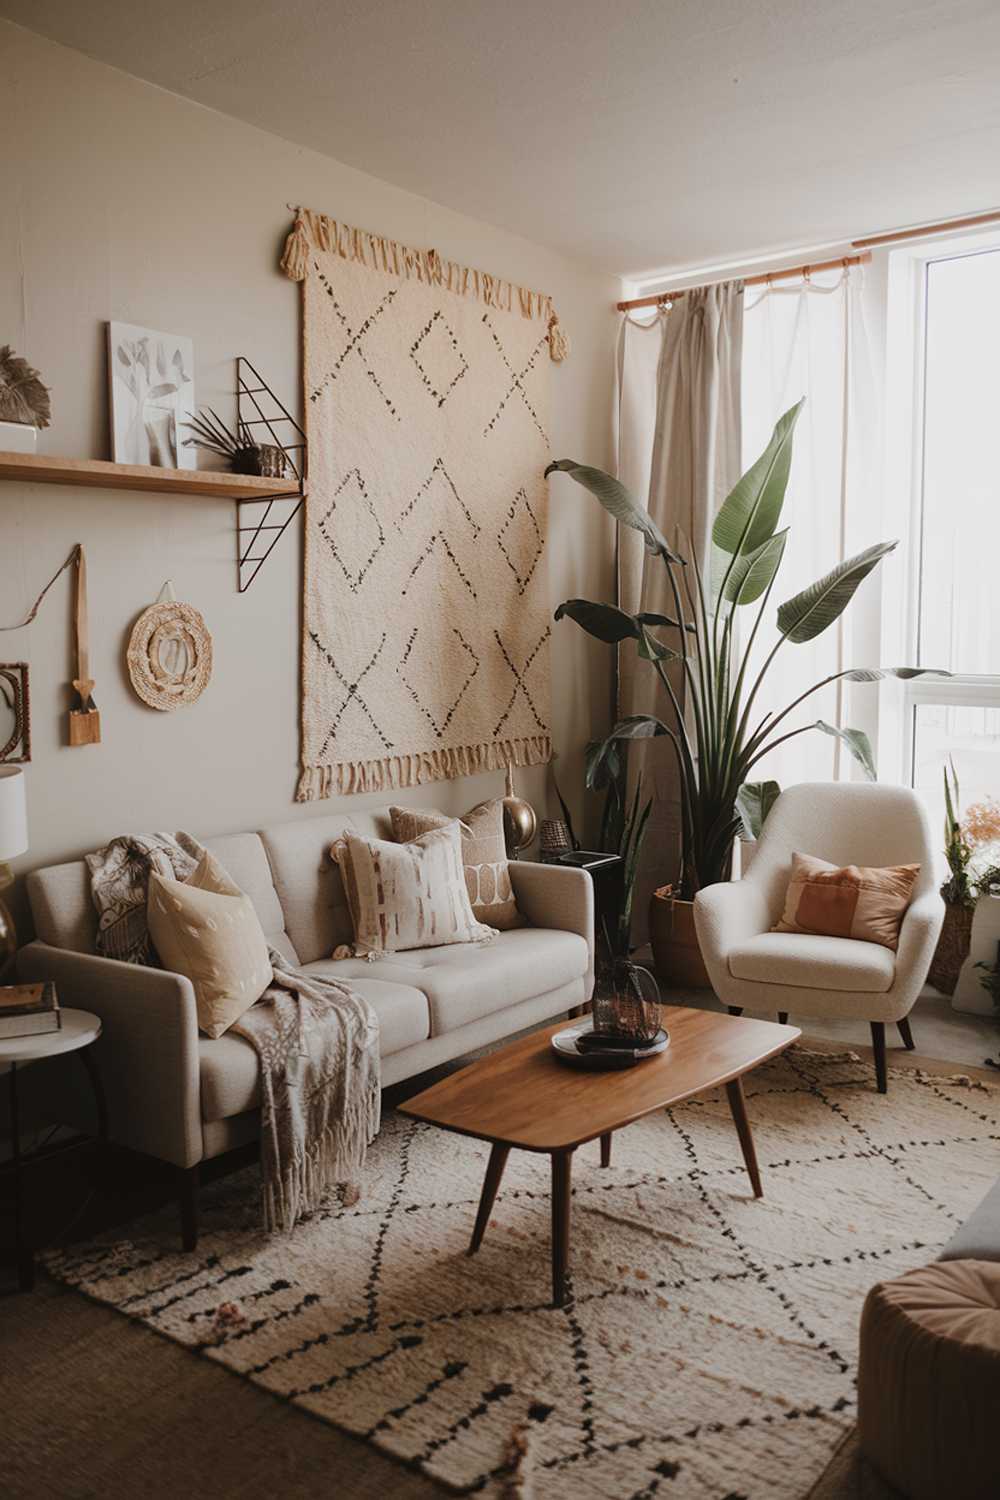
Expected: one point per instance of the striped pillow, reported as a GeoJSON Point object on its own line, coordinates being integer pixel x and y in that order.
{"type": "Point", "coordinates": [858, 901]}
{"type": "Point", "coordinates": [484, 853]}
{"type": "Point", "coordinates": [405, 896]}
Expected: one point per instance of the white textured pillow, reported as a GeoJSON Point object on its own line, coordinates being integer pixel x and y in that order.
{"type": "Point", "coordinates": [406, 896]}
{"type": "Point", "coordinates": [207, 929]}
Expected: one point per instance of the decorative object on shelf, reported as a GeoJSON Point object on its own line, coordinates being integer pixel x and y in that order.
{"type": "Point", "coordinates": [243, 453]}
{"type": "Point", "coordinates": [427, 382]}
{"type": "Point", "coordinates": [627, 1003]}
{"type": "Point", "coordinates": [520, 822]}
{"type": "Point", "coordinates": [169, 656]}
{"type": "Point", "coordinates": [15, 713]}
{"type": "Point", "coordinates": [151, 376]}
{"type": "Point", "coordinates": [713, 732]}
{"type": "Point", "coordinates": [676, 952]}
{"type": "Point", "coordinates": [84, 721]}
{"type": "Point", "coordinates": [29, 1009]}
{"type": "Point", "coordinates": [553, 839]}
{"type": "Point", "coordinates": [964, 839]}
{"type": "Point", "coordinates": [24, 403]}
{"type": "Point", "coordinates": [13, 841]}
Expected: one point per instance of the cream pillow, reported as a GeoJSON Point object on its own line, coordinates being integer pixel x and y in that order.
{"type": "Point", "coordinates": [207, 929]}
{"type": "Point", "coordinates": [484, 853]}
{"type": "Point", "coordinates": [410, 895]}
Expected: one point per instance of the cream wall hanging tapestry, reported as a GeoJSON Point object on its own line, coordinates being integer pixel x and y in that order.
{"type": "Point", "coordinates": [169, 656]}
{"type": "Point", "coordinates": [426, 613]}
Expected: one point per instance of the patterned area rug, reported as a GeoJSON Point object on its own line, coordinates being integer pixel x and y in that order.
{"type": "Point", "coordinates": [709, 1349]}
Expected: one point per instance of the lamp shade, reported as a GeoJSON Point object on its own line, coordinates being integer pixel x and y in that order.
{"type": "Point", "coordinates": [13, 812]}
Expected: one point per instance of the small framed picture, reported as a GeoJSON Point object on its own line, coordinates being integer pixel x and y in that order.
{"type": "Point", "coordinates": [151, 377]}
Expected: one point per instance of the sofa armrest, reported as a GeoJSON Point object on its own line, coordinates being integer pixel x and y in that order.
{"type": "Point", "coordinates": [555, 896]}
{"type": "Point", "coordinates": [147, 1051]}
{"type": "Point", "coordinates": [918, 935]}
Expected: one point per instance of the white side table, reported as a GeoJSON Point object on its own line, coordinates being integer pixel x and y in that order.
{"type": "Point", "coordinates": [79, 1028]}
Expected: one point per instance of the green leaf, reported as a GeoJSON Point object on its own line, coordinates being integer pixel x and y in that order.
{"type": "Point", "coordinates": [601, 763]}
{"type": "Point", "coordinates": [876, 674]}
{"type": "Point", "coordinates": [605, 621]}
{"type": "Point", "coordinates": [652, 649]}
{"type": "Point", "coordinates": [751, 511]}
{"type": "Point", "coordinates": [638, 727]}
{"type": "Point", "coordinates": [617, 502]}
{"type": "Point", "coordinates": [857, 742]}
{"type": "Point", "coordinates": [752, 572]}
{"type": "Point", "coordinates": [649, 617]}
{"type": "Point", "coordinates": [754, 801]}
{"type": "Point", "coordinates": [809, 613]}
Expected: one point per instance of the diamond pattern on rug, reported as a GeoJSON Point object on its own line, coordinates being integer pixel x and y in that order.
{"type": "Point", "coordinates": [438, 356]}
{"type": "Point", "coordinates": [709, 1346]}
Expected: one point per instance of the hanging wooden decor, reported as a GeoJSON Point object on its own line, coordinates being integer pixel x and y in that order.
{"type": "Point", "coordinates": [84, 721]}
{"type": "Point", "coordinates": [15, 713]}
{"type": "Point", "coordinates": [169, 655]}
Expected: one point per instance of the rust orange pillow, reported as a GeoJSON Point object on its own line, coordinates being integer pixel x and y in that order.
{"type": "Point", "coordinates": [856, 901]}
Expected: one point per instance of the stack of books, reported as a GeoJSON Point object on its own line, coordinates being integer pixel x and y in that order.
{"type": "Point", "coordinates": [28, 1010]}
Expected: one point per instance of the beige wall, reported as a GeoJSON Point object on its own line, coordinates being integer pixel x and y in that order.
{"type": "Point", "coordinates": [122, 201]}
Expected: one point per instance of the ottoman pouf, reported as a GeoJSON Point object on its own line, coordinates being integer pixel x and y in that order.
{"type": "Point", "coordinates": [929, 1381]}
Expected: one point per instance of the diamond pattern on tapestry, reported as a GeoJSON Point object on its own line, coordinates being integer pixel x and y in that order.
{"type": "Point", "coordinates": [709, 1346]}
{"type": "Point", "coordinates": [425, 619]}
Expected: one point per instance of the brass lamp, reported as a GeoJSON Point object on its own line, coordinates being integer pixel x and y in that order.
{"type": "Point", "coordinates": [519, 821]}
{"type": "Point", "coordinates": [13, 840]}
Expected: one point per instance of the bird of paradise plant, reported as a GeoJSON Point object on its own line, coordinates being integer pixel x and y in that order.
{"type": "Point", "coordinates": [714, 733]}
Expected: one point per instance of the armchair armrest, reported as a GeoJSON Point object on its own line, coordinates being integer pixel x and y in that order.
{"type": "Point", "coordinates": [555, 896]}
{"type": "Point", "coordinates": [918, 935]}
{"type": "Point", "coordinates": [729, 913]}
{"type": "Point", "coordinates": [147, 1051]}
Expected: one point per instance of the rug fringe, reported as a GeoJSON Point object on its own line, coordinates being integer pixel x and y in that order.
{"type": "Point", "coordinates": [313, 230]}
{"type": "Point", "coordinates": [345, 777]}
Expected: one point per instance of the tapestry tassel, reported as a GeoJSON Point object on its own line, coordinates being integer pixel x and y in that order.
{"type": "Point", "coordinates": [558, 341]}
{"type": "Point", "coordinates": [295, 261]}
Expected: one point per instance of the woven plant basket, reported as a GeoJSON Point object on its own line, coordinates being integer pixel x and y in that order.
{"type": "Point", "coordinates": [953, 947]}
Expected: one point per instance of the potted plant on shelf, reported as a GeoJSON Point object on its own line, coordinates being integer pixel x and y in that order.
{"type": "Point", "coordinates": [713, 731]}
{"type": "Point", "coordinates": [965, 839]}
{"type": "Point", "coordinates": [24, 403]}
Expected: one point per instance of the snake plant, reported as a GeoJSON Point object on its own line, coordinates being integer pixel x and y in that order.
{"type": "Point", "coordinates": [712, 689]}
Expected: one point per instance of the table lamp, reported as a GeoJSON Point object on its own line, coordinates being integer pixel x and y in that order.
{"type": "Point", "coordinates": [13, 840]}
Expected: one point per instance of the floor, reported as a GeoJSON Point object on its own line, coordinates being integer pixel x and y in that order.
{"type": "Point", "coordinates": [139, 1415]}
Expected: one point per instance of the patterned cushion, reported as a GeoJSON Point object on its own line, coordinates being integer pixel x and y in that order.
{"type": "Point", "coordinates": [483, 850]}
{"type": "Point", "coordinates": [407, 895]}
{"type": "Point", "coordinates": [207, 929]}
{"type": "Point", "coordinates": [858, 901]}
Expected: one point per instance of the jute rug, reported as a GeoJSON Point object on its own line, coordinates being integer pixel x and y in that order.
{"type": "Point", "coordinates": [426, 613]}
{"type": "Point", "coordinates": [709, 1349]}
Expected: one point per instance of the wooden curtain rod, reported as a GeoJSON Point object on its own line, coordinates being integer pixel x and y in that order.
{"type": "Point", "coordinates": [944, 227]}
{"type": "Point", "coordinates": [767, 276]}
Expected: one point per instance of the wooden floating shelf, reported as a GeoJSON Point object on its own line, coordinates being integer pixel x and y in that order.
{"type": "Point", "coordinates": [95, 473]}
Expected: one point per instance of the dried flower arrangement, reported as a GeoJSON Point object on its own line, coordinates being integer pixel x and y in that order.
{"type": "Point", "coordinates": [965, 838]}
{"type": "Point", "coordinates": [23, 397]}
{"type": "Point", "coordinates": [245, 455]}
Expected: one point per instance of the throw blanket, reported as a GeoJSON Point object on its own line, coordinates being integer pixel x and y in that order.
{"type": "Point", "coordinates": [316, 1040]}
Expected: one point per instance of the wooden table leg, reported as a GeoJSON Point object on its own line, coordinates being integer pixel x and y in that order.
{"type": "Point", "coordinates": [562, 1195]}
{"type": "Point", "coordinates": [494, 1172]}
{"type": "Point", "coordinates": [738, 1105]}
{"type": "Point", "coordinates": [606, 1150]}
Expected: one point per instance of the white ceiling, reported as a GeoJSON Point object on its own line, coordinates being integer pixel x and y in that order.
{"type": "Point", "coordinates": [636, 135]}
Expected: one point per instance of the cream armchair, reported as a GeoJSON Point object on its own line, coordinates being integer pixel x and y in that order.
{"type": "Point", "coordinates": [753, 968]}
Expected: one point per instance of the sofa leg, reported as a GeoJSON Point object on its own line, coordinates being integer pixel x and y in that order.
{"type": "Point", "coordinates": [782, 1018]}
{"type": "Point", "coordinates": [878, 1047]}
{"type": "Point", "coordinates": [736, 1010]}
{"type": "Point", "coordinates": [906, 1033]}
{"type": "Point", "coordinates": [188, 1196]}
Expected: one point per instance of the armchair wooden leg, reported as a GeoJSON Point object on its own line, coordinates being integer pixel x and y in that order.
{"type": "Point", "coordinates": [878, 1047]}
{"type": "Point", "coordinates": [905, 1032]}
{"type": "Point", "coordinates": [736, 1010]}
{"type": "Point", "coordinates": [188, 1196]}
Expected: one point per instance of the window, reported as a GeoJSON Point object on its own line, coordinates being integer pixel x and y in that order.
{"type": "Point", "coordinates": [951, 618]}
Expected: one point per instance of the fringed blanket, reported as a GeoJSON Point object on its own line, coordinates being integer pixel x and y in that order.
{"type": "Point", "coordinates": [317, 1040]}
{"type": "Point", "coordinates": [425, 651]}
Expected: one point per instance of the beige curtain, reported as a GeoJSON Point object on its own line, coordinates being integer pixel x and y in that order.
{"type": "Point", "coordinates": [679, 448]}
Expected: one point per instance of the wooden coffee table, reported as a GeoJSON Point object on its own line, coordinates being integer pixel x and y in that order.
{"type": "Point", "coordinates": [523, 1097]}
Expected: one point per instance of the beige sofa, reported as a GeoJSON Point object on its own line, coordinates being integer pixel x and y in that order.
{"type": "Point", "coordinates": [184, 1098]}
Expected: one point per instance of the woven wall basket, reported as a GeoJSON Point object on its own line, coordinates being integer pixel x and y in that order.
{"type": "Point", "coordinates": [169, 655]}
